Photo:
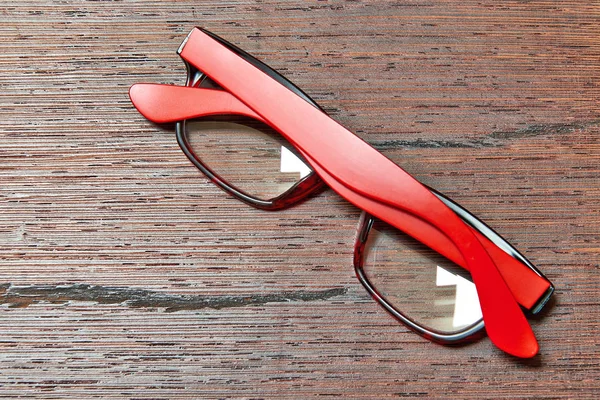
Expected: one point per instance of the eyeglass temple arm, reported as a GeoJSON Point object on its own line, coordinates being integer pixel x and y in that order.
{"type": "Point", "coordinates": [166, 103]}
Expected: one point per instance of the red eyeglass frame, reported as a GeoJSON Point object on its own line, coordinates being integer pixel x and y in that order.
{"type": "Point", "coordinates": [311, 182]}
{"type": "Point", "coordinates": [418, 212]}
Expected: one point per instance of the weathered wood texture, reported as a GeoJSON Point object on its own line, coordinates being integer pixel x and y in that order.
{"type": "Point", "coordinates": [113, 245]}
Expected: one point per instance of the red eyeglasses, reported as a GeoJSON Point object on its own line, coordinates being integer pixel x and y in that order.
{"type": "Point", "coordinates": [427, 260]}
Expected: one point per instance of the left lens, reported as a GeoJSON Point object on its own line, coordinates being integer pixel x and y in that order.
{"type": "Point", "coordinates": [418, 283]}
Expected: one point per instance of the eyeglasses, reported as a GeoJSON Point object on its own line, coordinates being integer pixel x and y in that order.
{"type": "Point", "coordinates": [425, 259]}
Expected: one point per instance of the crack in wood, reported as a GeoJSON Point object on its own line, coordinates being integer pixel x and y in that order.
{"type": "Point", "coordinates": [494, 139]}
{"type": "Point", "coordinates": [23, 296]}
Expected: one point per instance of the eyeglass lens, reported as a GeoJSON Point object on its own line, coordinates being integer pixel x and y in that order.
{"type": "Point", "coordinates": [247, 154]}
{"type": "Point", "coordinates": [425, 286]}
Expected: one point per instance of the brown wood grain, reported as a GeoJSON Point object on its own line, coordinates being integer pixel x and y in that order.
{"type": "Point", "coordinates": [124, 273]}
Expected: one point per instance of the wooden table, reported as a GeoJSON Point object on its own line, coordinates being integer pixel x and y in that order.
{"type": "Point", "coordinates": [112, 243]}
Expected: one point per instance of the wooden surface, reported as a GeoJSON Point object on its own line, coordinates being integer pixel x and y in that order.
{"type": "Point", "coordinates": [124, 273]}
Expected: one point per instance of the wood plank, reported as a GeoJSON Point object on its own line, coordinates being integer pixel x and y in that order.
{"type": "Point", "coordinates": [124, 273]}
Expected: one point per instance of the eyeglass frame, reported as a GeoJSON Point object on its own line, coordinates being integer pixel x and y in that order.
{"type": "Point", "coordinates": [311, 183]}
{"type": "Point", "coordinates": [272, 74]}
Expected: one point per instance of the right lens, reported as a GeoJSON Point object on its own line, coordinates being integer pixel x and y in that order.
{"type": "Point", "coordinates": [420, 284]}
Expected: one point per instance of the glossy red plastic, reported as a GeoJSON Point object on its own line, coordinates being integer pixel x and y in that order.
{"type": "Point", "coordinates": [166, 103]}
{"type": "Point", "coordinates": [357, 172]}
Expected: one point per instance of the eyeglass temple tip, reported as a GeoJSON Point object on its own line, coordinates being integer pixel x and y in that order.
{"type": "Point", "coordinates": [161, 103]}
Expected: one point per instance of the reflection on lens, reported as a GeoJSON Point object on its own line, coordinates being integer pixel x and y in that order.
{"type": "Point", "coordinates": [418, 282]}
{"type": "Point", "coordinates": [247, 154]}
